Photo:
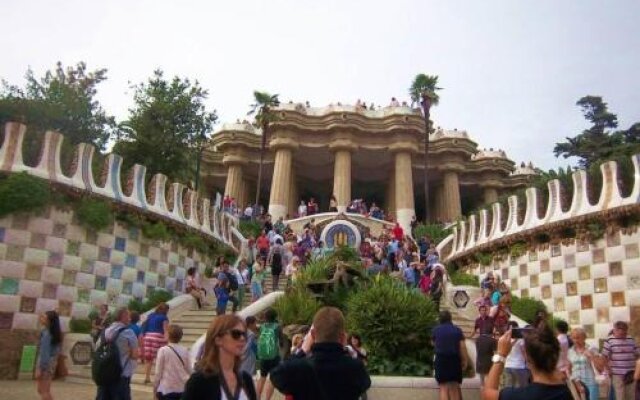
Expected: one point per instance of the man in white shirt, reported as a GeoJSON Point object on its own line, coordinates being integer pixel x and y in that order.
{"type": "Point", "coordinates": [248, 212]}
{"type": "Point", "coordinates": [302, 209]}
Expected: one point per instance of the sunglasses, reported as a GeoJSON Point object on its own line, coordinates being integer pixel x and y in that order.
{"type": "Point", "coordinates": [238, 334]}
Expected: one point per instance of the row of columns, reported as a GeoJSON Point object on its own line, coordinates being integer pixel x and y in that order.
{"type": "Point", "coordinates": [284, 195]}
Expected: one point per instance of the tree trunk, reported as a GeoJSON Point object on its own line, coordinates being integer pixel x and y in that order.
{"type": "Point", "coordinates": [427, 116]}
{"type": "Point", "coordinates": [263, 146]}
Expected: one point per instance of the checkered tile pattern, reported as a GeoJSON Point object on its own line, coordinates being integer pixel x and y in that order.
{"type": "Point", "coordinates": [588, 284]}
{"type": "Point", "coordinates": [48, 262]}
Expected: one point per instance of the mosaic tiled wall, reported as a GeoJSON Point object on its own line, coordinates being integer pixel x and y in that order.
{"type": "Point", "coordinates": [588, 284]}
{"type": "Point", "coordinates": [48, 261]}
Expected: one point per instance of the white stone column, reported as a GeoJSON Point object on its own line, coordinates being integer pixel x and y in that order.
{"type": "Point", "coordinates": [453, 208]}
{"type": "Point", "coordinates": [234, 184]}
{"type": "Point", "coordinates": [342, 178]}
{"type": "Point", "coordinates": [280, 183]}
{"type": "Point", "coordinates": [405, 208]}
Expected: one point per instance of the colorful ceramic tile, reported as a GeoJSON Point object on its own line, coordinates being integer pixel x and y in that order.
{"type": "Point", "coordinates": [104, 254]}
{"type": "Point", "coordinates": [127, 288]}
{"type": "Point", "coordinates": [59, 230]}
{"type": "Point", "coordinates": [64, 308]}
{"type": "Point", "coordinates": [630, 250]}
{"type": "Point", "coordinates": [618, 299]}
{"type": "Point", "coordinates": [598, 255]}
{"type": "Point", "coordinates": [140, 277]}
{"type": "Point", "coordinates": [116, 271]}
{"type": "Point", "coordinates": [533, 281]}
{"type": "Point", "coordinates": [584, 273]}
{"type": "Point", "coordinates": [144, 250]}
{"type": "Point", "coordinates": [570, 261]}
{"type": "Point", "coordinates": [14, 253]}
{"type": "Point", "coordinates": [55, 260]}
{"type": "Point", "coordinates": [6, 320]}
{"type": "Point", "coordinates": [179, 284]}
{"type": "Point", "coordinates": [546, 292]}
{"type": "Point", "coordinates": [2, 232]}
{"type": "Point", "coordinates": [582, 246]}
{"type": "Point", "coordinates": [20, 221]}
{"type": "Point", "coordinates": [557, 277]}
{"type": "Point", "coordinates": [153, 265]}
{"type": "Point", "coordinates": [544, 265]}
{"type": "Point", "coordinates": [523, 270]}
{"type": "Point", "coordinates": [120, 244]}
{"type": "Point", "coordinates": [38, 241]}
{"type": "Point", "coordinates": [586, 303]}
{"type": "Point", "coordinates": [514, 284]}
{"type": "Point", "coordinates": [101, 283]}
{"type": "Point", "coordinates": [9, 286]}
{"type": "Point", "coordinates": [603, 315]}
{"type": "Point", "coordinates": [130, 260]}
{"type": "Point", "coordinates": [33, 272]}
{"type": "Point", "coordinates": [50, 290]}
{"type": "Point", "coordinates": [589, 330]}
{"type": "Point", "coordinates": [556, 250]}
{"type": "Point", "coordinates": [83, 295]}
{"type": "Point", "coordinates": [164, 255]}
{"type": "Point", "coordinates": [87, 266]}
{"type": "Point", "coordinates": [572, 288]}
{"type": "Point", "coordinates": [615, 268]}
{"type": "Point", "coordinates": [92, 237]}
{"type": "Point", "coordinates": [73, 248]}
{"type": "Point", "coordinates": [134, 233]}
{"type": "Point", "coordinates": [28, 304]}
{"type": "Point", "coordinates": [69, 277]}
{"type": "Point", "coordinates": [613, 239]}
{"type": "Point", "coordinates": [524, 293]}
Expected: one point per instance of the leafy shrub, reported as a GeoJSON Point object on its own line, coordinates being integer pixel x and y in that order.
{"type": "Point", "coordinates": [297, 307]}
{"type": "Point", "coordinates": [484, 258]}
{"type": "Point", "coordinates": [394, 322]}
{"type": "Point", "coordinates": [136, 305]}
{"type": "Point", "coordinates": [94, 214]}
{"type": "Point", "coordinates": [517, 249]}
{"type": "Point", "coordinates": [154, 298]}
{"type": "Point", "coordinates": [21, 192]}
{"type": "Point", "coordinates": [345, 253]}
{"type": "Point", "coordinates": [526, 308]}
{"type": "Point", "coordinates": [315, 270]}
{"type": "Point", "coordinates": [250, 228]}
{"type": "Point", "coordinates": [460, 278]}
{"type": "Point", "coordinates": [156, 231]}
{"type": "Point", "coordinates": [80, 325]}
{"type": "Point", "coordinates": [435, 231]}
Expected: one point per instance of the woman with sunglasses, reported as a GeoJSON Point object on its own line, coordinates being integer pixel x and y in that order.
{"type": "Point", "coordinates": [218, 374]}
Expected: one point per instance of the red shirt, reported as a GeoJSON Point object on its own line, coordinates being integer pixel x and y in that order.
{"type": "Point", "coordinates": [398, 233]}
{"type": "Point", "coordinates": [262, 242]}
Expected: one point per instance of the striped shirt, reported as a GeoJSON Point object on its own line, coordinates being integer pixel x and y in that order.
{"type": "Point", "coordinates": [621, 354]}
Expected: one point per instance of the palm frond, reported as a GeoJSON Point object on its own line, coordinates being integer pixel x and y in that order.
{"type": "Point", "coordinates": [425, 86]}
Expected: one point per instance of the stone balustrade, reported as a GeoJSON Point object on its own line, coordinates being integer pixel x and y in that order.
{"type": "Point", "coordinates": [174, 201]}
{"type": "Point", "coordinates": [480, 230]}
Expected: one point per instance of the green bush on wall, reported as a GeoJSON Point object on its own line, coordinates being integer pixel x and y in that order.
{"type": "Point", "coordinates": [298, 306]}
{"type": "Point", "coordinates": [250, 228]}
{"type": "Point", "coordinates": [526, 308]}
{"type": "Point", "coordinates": [94, 214]}
{"type": "Point", "coordinates": [80, 325]}
{"type": "Point", "coordinates": [21, 192]}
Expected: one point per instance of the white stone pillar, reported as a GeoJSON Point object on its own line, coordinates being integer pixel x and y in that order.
{"type": "Point", "coordinates": [405, 208]}
{"type": "Point", "coordinates": [234, 184]}
{"type": "Point", "coordinates": [280, 183]}
{"type": "Point", "coordinates": [342, 178]}
{"type": "Point", "coordinates": [453, 208]}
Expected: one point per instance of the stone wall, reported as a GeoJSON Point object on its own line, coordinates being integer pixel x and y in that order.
{"type": "Point", "coordinates": [48, 261]}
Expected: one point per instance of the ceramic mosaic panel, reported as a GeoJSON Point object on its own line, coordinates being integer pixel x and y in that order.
{"type": "Point", "coordinates": [53, 264]}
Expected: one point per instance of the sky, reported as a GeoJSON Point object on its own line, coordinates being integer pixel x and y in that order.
{"type": "Point", "coordinates": [511, 70]}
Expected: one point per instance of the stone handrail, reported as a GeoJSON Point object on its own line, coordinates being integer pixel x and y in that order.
{"type": "Point", "coordinates": [254, 308]}
{"type": "Point", "coordinates": [181, 205]}
{"type": "Point", "coordinates": [476, 232]}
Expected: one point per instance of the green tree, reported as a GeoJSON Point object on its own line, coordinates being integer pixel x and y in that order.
{"type": "Point", "coordinates": [423, 90]}
{"type": "Point", "coordinates": [262, 107]}
{"type": "Point", "coordinates": [600, 142]}
{"type": "Point", "coordinates": [167, 127]}
{"type": "Point", "coordinates": [63, 100]}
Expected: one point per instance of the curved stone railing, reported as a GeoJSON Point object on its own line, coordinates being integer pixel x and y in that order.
{"type": "Point", "coordinates": [174, 202]}
{"type": "Point", "coordinates": [482, 229]}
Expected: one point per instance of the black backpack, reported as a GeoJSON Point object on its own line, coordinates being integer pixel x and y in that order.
{"type": "Point", "coordinates": [105, 366]}
{"type": "Point", "coordinates": [233, 281]}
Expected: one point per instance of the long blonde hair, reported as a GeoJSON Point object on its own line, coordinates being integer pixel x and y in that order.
{"type": "Point", "coordinates": [210, 362]}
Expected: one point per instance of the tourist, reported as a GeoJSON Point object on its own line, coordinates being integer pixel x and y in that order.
{"type": "Point", "coordinates": [423, 246]}
{"type": "Point", "coordinates": [222, 294]}
{"type": "Point", "coordinates": [323, 366]}
{"type": "Point", "coordinates": [398, 232]}
{"type": "Point", "coordinates": [312, 207]}
{"type": "Point", "coordinates": [267, 225]}
{"type": "Point", "coordinates": [516, 372]}
{"type": "Point", "coordinates": [258, 278]}
{"type": "Point", "coordinates": [584, 362]}
{"type": "Point", "coordinates": [487, 282]}
{"type": "Point", "coordinates": [436, 290]}
{"type": "Point", "coordinates": [242, 275]}
{"type": "Point", "coordinates": [542, 351]}
{"type": "Point", "coordinates": [99, 322]}
{"type": "Point", "coordinates": [409, 275]}
{"type": "Point", "coordinates": [134, 317]}
{"type": "Point", "coordinates": [450, 357]}
{"type": "Point", "coordinates": [127, 345]}
{"type": "Point", "coordinates": [49, 347]}
{"type": "Point", "coordinates": [268, 350]}
{"type": "Point", "coordinates": [250, 352]}
{"type": "Point", "coordinates": [425, 281]}
{"type": "Point", "coordinates": [501, 315]}
{"type": "Point", "coordinates": [217, 374]}
{"type": "Point", "coordinates": [485, 344]}
{"type": "Point", "coordinates": [302, 209]}
{"type": "Point", "coordinates": [355, 344]}
{"type": "Point", "coordinates": [394, 102]}
{"type": "Point", "coordinates": [226, 203]}
{"type": "Point", "coordinates": [333, 204]}
{"type": "Point", "coordinates": [192, 287]}
{"type": "Point", "coordinates": [319, 251]}
{"type": "Point", "coordinates": [233, 284]}
{"type": "Point", "coordinates": [248, 212]}
{"type": "Point", "coordinates": [296, 344]}
{"type": "Point", "coordinates": [279, 226]}
{"type": "Point", "coordinates": [262, 243]}
{"type": "Point", "coordinates": [172, 367]}
{"type": "Point", "coordinates": [563, 360]}
{"type": "Point", "coordinates": [291, 271]}
{"type": "Point", "coordinates": [621, 352]}
{"type": "Point", "coordinates": [275, 260]}
{"type": "Point", "coordinates": [154, 336]}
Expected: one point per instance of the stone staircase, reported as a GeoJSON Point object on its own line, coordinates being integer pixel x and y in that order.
{"type": "Point", "coordinates": [194, 323]}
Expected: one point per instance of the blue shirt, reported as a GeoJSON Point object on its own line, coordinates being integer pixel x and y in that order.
{"type": "Point", "coordinates": [446, 339]}
{"type": "Point", "coordinates": [409, 275]}
{"type": "Point", "coordinates": [136, 329]}
{"type": "Point", "coordinates": [48, 353]}
{"type": "Point", "coordinates": [126, 342]}
{"type": "Point", "coordinates": [155, 323]}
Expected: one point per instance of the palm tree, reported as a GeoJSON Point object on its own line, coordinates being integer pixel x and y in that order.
{"type": "Point", "coordinates": [423, 91]}
{"type": "Point", "coordinates": [264, 103]}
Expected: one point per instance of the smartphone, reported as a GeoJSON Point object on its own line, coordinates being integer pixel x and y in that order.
{"type": "Point", "coordinates": [517, 333]}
